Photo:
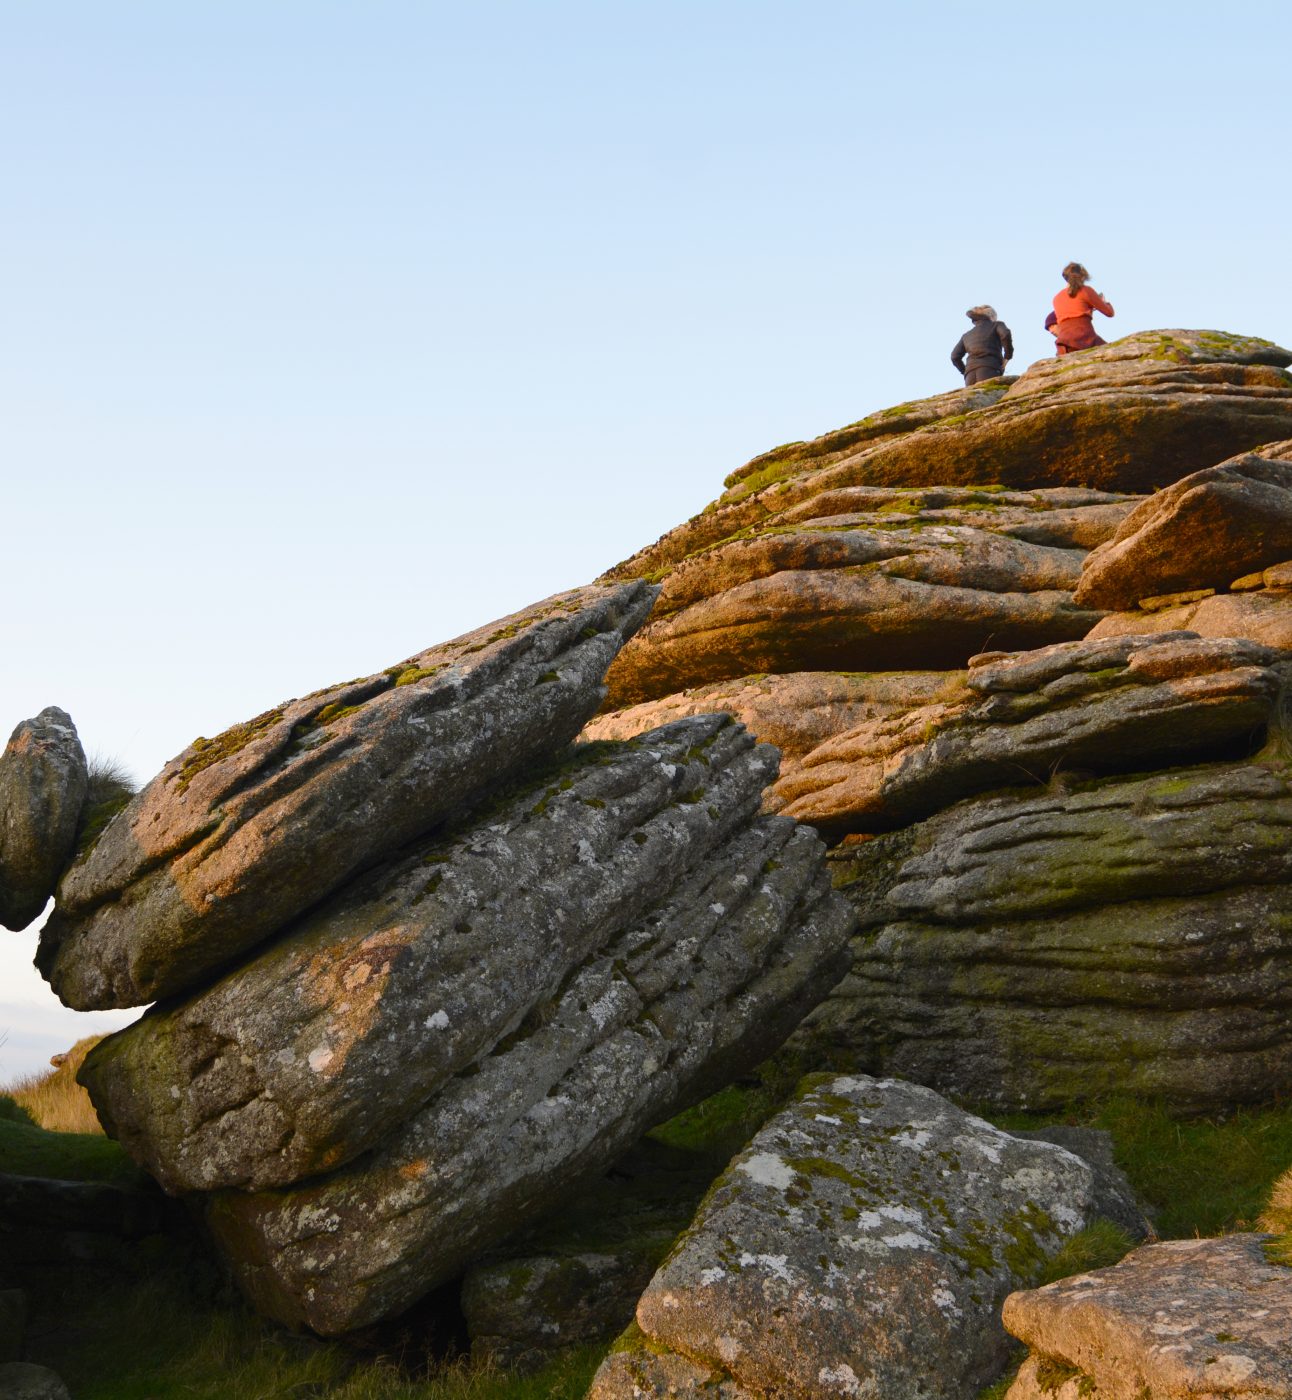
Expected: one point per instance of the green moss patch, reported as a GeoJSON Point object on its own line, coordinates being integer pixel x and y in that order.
{"type": "Point", "coordinates": [206, 752]}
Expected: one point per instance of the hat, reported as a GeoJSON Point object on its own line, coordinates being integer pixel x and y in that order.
{"type": "Point", "coordinates": [983, 312]}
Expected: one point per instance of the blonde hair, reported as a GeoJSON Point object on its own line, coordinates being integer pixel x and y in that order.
{"type": "Point", "coordinates": [1076, 277]}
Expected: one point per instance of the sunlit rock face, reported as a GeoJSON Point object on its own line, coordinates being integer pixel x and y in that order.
{"type": "Point", "coordinates": [43, 782]}
{"type": "Point", "coordinates": [860, 1245]}
{"type": "Point", "coordinates": [1182, 1318]}
{"type": "Point", "coordinates": [240, 834]}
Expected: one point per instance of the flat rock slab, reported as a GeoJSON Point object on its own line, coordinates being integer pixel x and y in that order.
{"type": "Point", "coordinates": [700, 988]}
{"type": "Point", "coordinates": [860, 1245]}
{"type": "Point", "coordinates": [43, 782]}
{"type": "Point", "coordinates": [317, 1049]}
{"type": "Point", "coordinates": [1093, 706]}
{"type": "Point", "coordinates": [840, 595]}
{"type": "Point", "coordinates": [240, 834]}
{"type": "Point", "coordinates": [1187, 1318]}
{"type": "Point", "coordinates": [1130, 417]}
{"type": "Point", "coordinates": [1204, 531]}
{"type": "Point", "coordinates": [1125, 934]}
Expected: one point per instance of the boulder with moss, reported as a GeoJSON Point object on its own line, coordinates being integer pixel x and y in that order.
{"type": "Point", "coordinates": [556, 1023]}
{"type": "Point", "coordinates": [1204, 531]}
{"type": "Point", "coordinates": [862, 1243]}
{"type": "Point", "coordinates": [239, 834]}
{"type": "Point", "coordinates": [43, 781]}
{"type": "Point", "coordinates": [1094, 706]}
{"type": "Point", "coordinates": [1189, 1319]}
{"type": "Point", "coordinates": [314, 1051]}
{"type": "Point", "coordinates": [1036, 947]}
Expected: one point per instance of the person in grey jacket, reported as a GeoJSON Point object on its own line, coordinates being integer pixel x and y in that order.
{"type": "Point", "coordinates": [988, 345]}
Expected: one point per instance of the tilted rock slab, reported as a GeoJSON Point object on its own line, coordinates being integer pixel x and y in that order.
{"type": "Point", "coordinates": [348, 1024]}
{"type": "Point", "coordinates": [697, 990]}
{"type": "Point", "coordinates": [861, 1244]}
{"type": "Point", "coordinates": [1130, 934]}
{"type": "Point", "coordinates": [239, 834]}
{"type": "Point", "coordinates": [43, 783]}
{"type": "Point", "coordinates": [1186, 1318]}
{"type": "Point", "coordinates": [797, 712]}
{"type": "Point", "coordinates": [1201, 532]}
{"type": "Point", "coordinates": [1096, 706]}
{"type": "Point", "coordinates": [826, 597]}
{"type": "Point", "coordinates": [1133, 416]}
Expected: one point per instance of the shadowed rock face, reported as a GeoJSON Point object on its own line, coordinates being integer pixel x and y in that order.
{"type": "Point", "coordinates": [239, 834]}
{"type": "Point", "coordinates": [1131, 934]}
{"type": "Point", "coordinates": [1205, 531]}
{"type": "Point", "coordinates": [1183, 1318]}
{"type": "Point", "coordinates": [1096, 706]}
{"type": "Point", "coordinates": [316, 1050]}
{"type": "Point", "coordinates": [699, 988]}
{"type": "Point", "coordinates": [1132, 416]}
{"type": "Point", "coordinates": [860, 1245]}
{"type": "Point", "coordinates": [43, 782]}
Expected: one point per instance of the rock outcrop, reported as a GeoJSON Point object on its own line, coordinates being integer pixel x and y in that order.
{"type": "Point", "coordinates": [1133, 416]}
{"type": "Point", "coordinates": [1034, 948]}
{"type": "Point", "coordinates": [423, 1064]}
{"type": "Point", "coordinates": [43, 781]}
{"type": "Point", "coordinates": [1093, 706]}
{"type": "Point", "coordinates": [311, 1053]}
{"type": "Point", "coordinates": [1186, 1318]}
{"type": "Point", "coordinates": [860, 1245]}
{"type": "Point", "coordinates": [239, 834]}
{"type": "Point", "coordinates": [1214, 526]}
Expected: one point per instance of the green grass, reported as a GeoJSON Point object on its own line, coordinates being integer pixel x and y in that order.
{"type": "Point", "coordinates": [26, 1150]}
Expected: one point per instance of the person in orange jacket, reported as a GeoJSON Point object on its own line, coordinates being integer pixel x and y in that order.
{"type": "Point", "coordinates": [1074, 309]}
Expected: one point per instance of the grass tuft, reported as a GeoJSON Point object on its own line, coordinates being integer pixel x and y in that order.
{"type": "Point", "coordinates": [54, 1100]}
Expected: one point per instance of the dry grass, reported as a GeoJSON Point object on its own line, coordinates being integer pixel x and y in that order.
{"type": "Point", "coordinates": [1278, 1213]}
{"type": "Point", "coordinates": [55, 1101]}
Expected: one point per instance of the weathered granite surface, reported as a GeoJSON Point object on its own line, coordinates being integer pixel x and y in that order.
{"type": "Point", "coordinates": [239, 834]}
{"type": "Point", "coordinates": [1186, 1318]}
{"type": "Point", "coordinates": [1263, 615]}
{"type": "Point", "coordinates": [1094, 706]}
{"type": "Point", "coordinates": [315, 1050]}
{"type": "Point", "coordinates": [43, 780]}
{"type": "Point", "coordinates": [700, 988]}
{"type": "Point", "coordinates": [1204, 531]}
{"type": "Point", "coordinates": [1035, 948]}
{"type": "Point", "coordinates": [860, 1245]}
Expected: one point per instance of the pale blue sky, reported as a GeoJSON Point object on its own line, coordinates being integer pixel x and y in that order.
{"type": "Point", "coordinates": [331, 330]}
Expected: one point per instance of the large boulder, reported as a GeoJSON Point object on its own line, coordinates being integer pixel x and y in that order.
{"type": "Point", "coordinates": [1032, 948]}
{"type": "Point", "coordinates": [796, 712]}
{"type": "Point", "coordinates": [311, 1053]}
{"type": "Point", "coordinates": [1094, 706]}
{"type": "Point", "coordinates": [43, 782]}
{"type": "Point", "coordinates": [1204, 531]}
{"type": "Point", "coordinates": [1132, 416]}
{"type": "Point", "coordinates": [831, 594]}
{"type": "Point", "coordinates": [239, 834]}
{"type": "Point", "coordinates": [533, 1053]}
{"type": "Point", "coordinates": [861, 1244]}
{"type": "Point", "coordinates": [1188, 1319]}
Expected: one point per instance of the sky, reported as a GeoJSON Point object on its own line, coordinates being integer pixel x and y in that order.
{"type": "Point", "coordinates": [330, 331]}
